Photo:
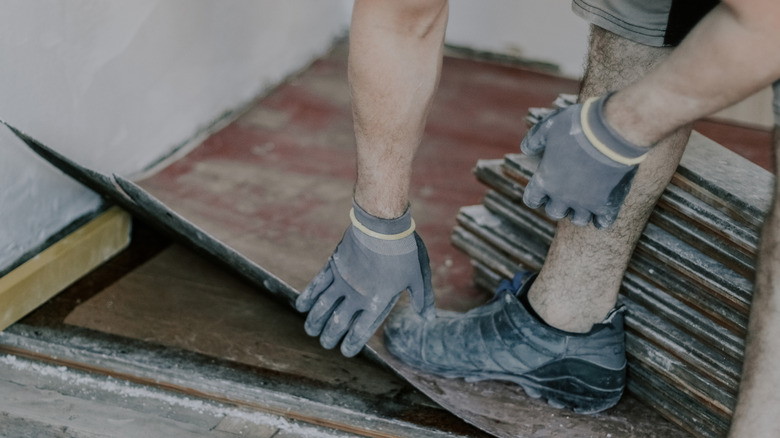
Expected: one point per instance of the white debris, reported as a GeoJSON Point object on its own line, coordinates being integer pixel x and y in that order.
{"type": "Point", "coordinates": [126, 389]}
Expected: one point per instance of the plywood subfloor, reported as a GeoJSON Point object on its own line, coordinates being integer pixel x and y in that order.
{"type": "Point", "coordinates": [180, 300]}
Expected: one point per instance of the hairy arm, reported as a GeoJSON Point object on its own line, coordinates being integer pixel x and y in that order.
{"type": "Point", "coordinates": [729, 55]}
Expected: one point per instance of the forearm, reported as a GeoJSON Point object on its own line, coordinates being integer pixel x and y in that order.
{"type": "Point", "coordinates": [394, 65]}
{"type": "Point", "coordinates": [731, 54]}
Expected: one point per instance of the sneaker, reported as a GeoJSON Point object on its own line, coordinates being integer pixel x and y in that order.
{"type": "Point", "coordinates": [504, 340]}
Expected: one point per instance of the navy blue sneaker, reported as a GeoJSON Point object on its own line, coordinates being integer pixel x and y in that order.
{"type": "Point", "coordinates": [504, 340]}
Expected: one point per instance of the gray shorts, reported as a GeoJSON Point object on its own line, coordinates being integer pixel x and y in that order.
{"type": "Point", "coordinates": [776, 101]}
{"type": "Point", "coordinates": [657, 23]}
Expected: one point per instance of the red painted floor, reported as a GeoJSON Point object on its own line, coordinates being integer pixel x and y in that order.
{"type": "Point", "coordinates": [752, 143]}
{"type": "Point", "coordinates": [304, 128]}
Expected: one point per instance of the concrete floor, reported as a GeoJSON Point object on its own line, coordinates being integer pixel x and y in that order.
{"type": "Point", "coordinates": [41, 400]}
{"type": "Point", "coordinates": [276, 185]}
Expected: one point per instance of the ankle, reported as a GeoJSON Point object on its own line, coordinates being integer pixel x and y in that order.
{"type": "Point", "coordinates": [562, 320]}
{"type": "Point", "coordinates": [567, 313]}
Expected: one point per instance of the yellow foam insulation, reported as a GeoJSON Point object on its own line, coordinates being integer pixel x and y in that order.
{"type": "Point", "coordinates": [58, 266]}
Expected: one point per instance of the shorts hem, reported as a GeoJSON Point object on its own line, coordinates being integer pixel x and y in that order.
{"type": "Point", "coordinates": [596, 17]}
{"type": "Point", "coordinates": [776, 101]}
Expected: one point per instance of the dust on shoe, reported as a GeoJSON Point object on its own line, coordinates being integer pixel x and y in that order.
{"type": "Point", "coordinates": [502, 340]}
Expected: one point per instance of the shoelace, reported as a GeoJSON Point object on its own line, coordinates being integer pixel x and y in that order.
{"type": "Point", "coordinates": [514, 285]}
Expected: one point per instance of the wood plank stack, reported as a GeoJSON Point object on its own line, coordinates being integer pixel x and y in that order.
{"type": "Point", "coordinates": [687, 288]}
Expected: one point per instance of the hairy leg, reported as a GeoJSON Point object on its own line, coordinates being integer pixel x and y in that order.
{"type": "Point", "coordinates": [581, 277]}
{"type": "Point", "coordinates": [395, 58]}
{"type": "Point", "coordinates": [758, 405]}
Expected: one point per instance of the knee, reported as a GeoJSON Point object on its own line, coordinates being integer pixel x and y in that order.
{"type": "Point", "coordinates": [417, 17]}
{"type": "Point", "coordinates": [416, 9]}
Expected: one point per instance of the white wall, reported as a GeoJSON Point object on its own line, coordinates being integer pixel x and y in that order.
{"type": "Point", "coordinates": [539, 30]}
{"type": "Point", "coordinates": [116, 85]}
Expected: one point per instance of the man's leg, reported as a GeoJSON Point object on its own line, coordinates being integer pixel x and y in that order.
{"type": "Point", "coordinates": [576, 289]}
{"type": "Point", "coordinates": [581, 277]}
{"type": "Point", "coordinates": [395, 56]}
{"type": "Point", "coordinates": [758, 406]}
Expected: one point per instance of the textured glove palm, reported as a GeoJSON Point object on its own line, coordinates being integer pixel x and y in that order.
{"type": "Point", "coordinates": [587, 168]}
{"type": "Point", "coordinates": [376, 260]}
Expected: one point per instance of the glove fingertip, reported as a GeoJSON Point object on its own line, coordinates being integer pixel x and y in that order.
{"type": "Point", "coordinates": [328, 342]}
{"type": "Point", "coordinates": [556, 210]}
{"type": "Point", "coordinates": [349, 349]}
{"type": "Point", "coordinates": [530, 147]}
{"type": "Point", "coordinates": [311, 328]}
{"type": "Point", "coordinates": [580, 218]}
{"type": "Point", "coordinates": [303, 303]}
{"type": "Point", "coordinates": [603, 222]}
{"type": "Point", "coordinates": [318, 285]}
{"type": "Point", "coordinates": [355, 339]}
{"type": "Point", "coordinates": [534, 197]}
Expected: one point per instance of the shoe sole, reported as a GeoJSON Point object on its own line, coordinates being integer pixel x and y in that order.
{"type": "Point", "coordinates": [564, 392]}
{"type": "Point", "coordinates": [577, 395]}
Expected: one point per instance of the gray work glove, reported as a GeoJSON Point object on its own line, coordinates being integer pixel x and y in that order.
{"type": "Point", "coordinates": [376, 260]}
{"type": "Point", "coordinates": [587, 168]}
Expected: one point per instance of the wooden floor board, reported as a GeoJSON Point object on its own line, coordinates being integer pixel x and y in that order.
{"type": "Point", "coordinates": [64, 262]}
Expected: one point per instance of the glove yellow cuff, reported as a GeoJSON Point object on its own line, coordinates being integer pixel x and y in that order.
{"type": "Point", "coordinates": [374, 234]}
{"type": "Point", "coordinates": [598, 144]}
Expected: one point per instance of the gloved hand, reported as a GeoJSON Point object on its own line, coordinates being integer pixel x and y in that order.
{"type": "Point", "coordinates": [376, 260]}
{"type": "Point", "coordinates": [587, 168]}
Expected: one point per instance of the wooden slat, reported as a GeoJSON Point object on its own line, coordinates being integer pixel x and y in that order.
{"type": "Point", "coordinates": [678, 374]}
{"type": "Point", "coordinates": [673, 404]}
{"type": "Point", "coordinates": [725, 180]}
{"type": "Point", "coordinates": [722, 281]}
{"type": "Point", "coordinates": [679, 213]}
{"type": "Point", "coordinates": [714, 224]}
{"type": "Point", "coordinates": [688, 293]}
{"type": "Point", "coordinates": [691, 321]}
{"type": "Point", "coordinates": [698, 213]}
{"type": "Point", "coordinates": [712, 365]}
{"type": "Point", "coordinates": [484, 253]}
{"type": "Point", "coordinates": [493, 230]}
{"type": "Point", "coordinates": [40, 278]}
